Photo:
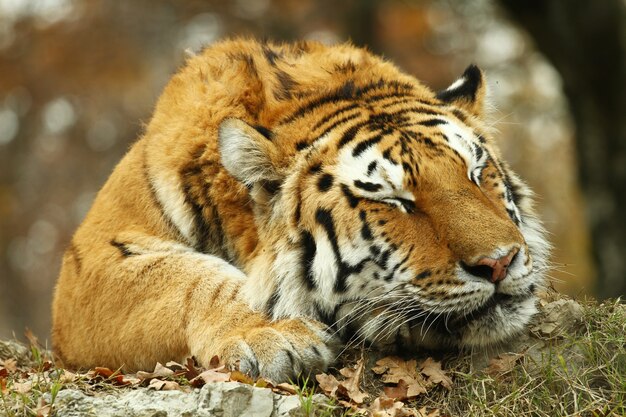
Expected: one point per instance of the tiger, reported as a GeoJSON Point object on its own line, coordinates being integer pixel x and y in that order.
{"type": "Point", "coordinates": [287, 200]}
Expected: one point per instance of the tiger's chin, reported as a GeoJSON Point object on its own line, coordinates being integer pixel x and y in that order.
{"type": "Point", "coordinates": [496, 322]}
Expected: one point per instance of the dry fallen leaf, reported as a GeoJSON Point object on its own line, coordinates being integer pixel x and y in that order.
{"type": "Point", "coordinates": [503, 364]}
{"type": "Point", "coordinates": [288, 388]}
{"type": "Point", "coordinates": [435, 375]}
{"type": "Point", "coordinates": [395, 370]}
{"type": "Point", "coordinates": [388, 407]}
{"type": "Point", "coordinates": [114, 377]}
{"type": "Point", "coordinates": [352, 409]}
{"type": "Point", "coordinates": [214, 362]}
{"type": "Point", "coordinates": [400, 391]}
{"type": "Point", "coordinates": [349, 388]}
{"type": "Point", "coordinates": [239, 376]}
{"type": "Point", "coordinates": [22, 387]}
{"type": "Point", "coordinates": [328, 384]}
{"type": "Point", "coordinates": [192, 371]}
{"type": "Point", "coordinates": [130, 380]}
{"type": "Point", "coordinates": [385, 407]}
{"type": "Point", "coordinates": [264, 383]}
{"type": "Point", "coordinates": [43, 409]}
{"type": "Point", "coordinates": [174, 366]}
{"type": "Point", "coordinates": [103, 372]}
{"type": "Point", "coordinates": [67, 377]}
{"type": "Point", "coordinates": [352, 383]}
{"type": "Point", "coordinates": [10, 364]}
{"type": "Point", "coordinates": [209, 376]}
{"type": "Point", "coordinates": [161, 385]}
{"type": "Point", "coordinates": [160, 371]}
{"type": "Point", "coordinates": [424, 413]}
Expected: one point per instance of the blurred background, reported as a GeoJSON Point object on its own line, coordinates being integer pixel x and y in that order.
{"type": "Point", "coordinates": [79, 79]}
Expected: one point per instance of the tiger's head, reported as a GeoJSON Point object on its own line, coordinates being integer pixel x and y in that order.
{"type": "Point", "coordinates": [384, 210]}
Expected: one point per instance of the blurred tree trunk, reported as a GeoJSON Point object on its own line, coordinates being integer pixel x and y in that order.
{"type": "Point", "coordinates": [586, 42]}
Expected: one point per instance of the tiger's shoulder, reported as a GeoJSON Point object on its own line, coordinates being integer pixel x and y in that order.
{"type": "Point", "coordinates": [270, 86]}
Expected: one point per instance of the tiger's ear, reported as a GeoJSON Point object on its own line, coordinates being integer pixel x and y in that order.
{"type": "Point", "coordinates": [468, 92]}
{"type": "Point", "coordinates": [247, 152]}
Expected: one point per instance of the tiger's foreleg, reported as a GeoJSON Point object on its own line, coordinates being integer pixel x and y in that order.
{"type": "Point", "coordinates": [159, 301]}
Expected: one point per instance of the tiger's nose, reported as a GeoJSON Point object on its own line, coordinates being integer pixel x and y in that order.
{"type": "Point", "coordinates": [492, 269]}
{"type": "Point", "coordinates": [498, 266]}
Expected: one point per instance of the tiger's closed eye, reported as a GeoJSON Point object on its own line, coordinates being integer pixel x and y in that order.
{"type": "Point", "coordinates": [404, 204]}
{"type": "Point", "coordinates": [408, 205]}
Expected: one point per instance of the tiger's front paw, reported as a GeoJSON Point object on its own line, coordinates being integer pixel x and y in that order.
{"type": "Point", "coordinates": [281, 350]}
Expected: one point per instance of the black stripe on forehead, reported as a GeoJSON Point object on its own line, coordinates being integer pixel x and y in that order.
{"type": "Point", "coordinates": [371, 167]}
{"type": "Point", "coordinates": [350, 134]}
{"type": "Point", "coordinates": [348, 91]}
{"type": "Point", "coordinates": [384, 123]}
{"type": "Point", "coordinates": [366, 144]}
{"type": "Point", "coordinates": [423, 106]}
{"type": "Point", "coordinates": [338, 122]}
{"type": "Point", "coordinates": [432, 122]}
{"type": "Point", "coordinates": [334, 113]}
{"type": "Point", "coordinates": [388, 157]}
{"type": "Point", "coordinates": [416, 110]}
{"type": "Point", "coordinates": [368, 186]}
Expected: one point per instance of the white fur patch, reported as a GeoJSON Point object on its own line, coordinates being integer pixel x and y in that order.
{"type": "Point", "coordinates": [324, 265]}
{"type": "Point", "coordinates": [510, 321]}
{"type": "Point", "coordinates": [291, 287]}
{"type": "Point", "coordinates": [389, 176]}
{"type": "Point", "coordinates": [241, 155]}
{"type": "Point", "coordinates": [220, 267]}
{"type": "Point", "coordinates": [461, 139]}
{"type": "Point", "coordinates": [458, 83]}
{"type": "Point", "coordinates": [168, 191]}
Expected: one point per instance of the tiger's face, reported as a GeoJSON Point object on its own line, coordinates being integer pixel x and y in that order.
{"type": "Point", "coordinates": [395, 221]}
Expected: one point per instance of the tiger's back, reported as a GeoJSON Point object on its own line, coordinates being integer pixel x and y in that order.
{"type": "Point", "coordinates": [264, 214]}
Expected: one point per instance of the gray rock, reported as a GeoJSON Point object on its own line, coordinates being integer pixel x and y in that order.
{"type": "Point", "coordinates": [288, 406]}
{"type": "Point", "coordinates": [227, 399]}
{"type": "Point", "coordinates": [292, 405]}
{"type": "Point", "coordinates": [13, 349]}
{"type": "Point", "coordinates": [135, 403]}
{"type": "Point", "coordinates": [558, 318]}
{"type": "Point", "coordinates": [232, 399]}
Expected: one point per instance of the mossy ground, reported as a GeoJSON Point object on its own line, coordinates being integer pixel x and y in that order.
{"type": "Point", "coordinates": [580, 373]}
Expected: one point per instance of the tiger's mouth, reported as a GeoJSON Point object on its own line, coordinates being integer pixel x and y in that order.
{"type": "Point", "coordinates": [495, 301]}
{"type": "Point", "coordinates": [454, 324]}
